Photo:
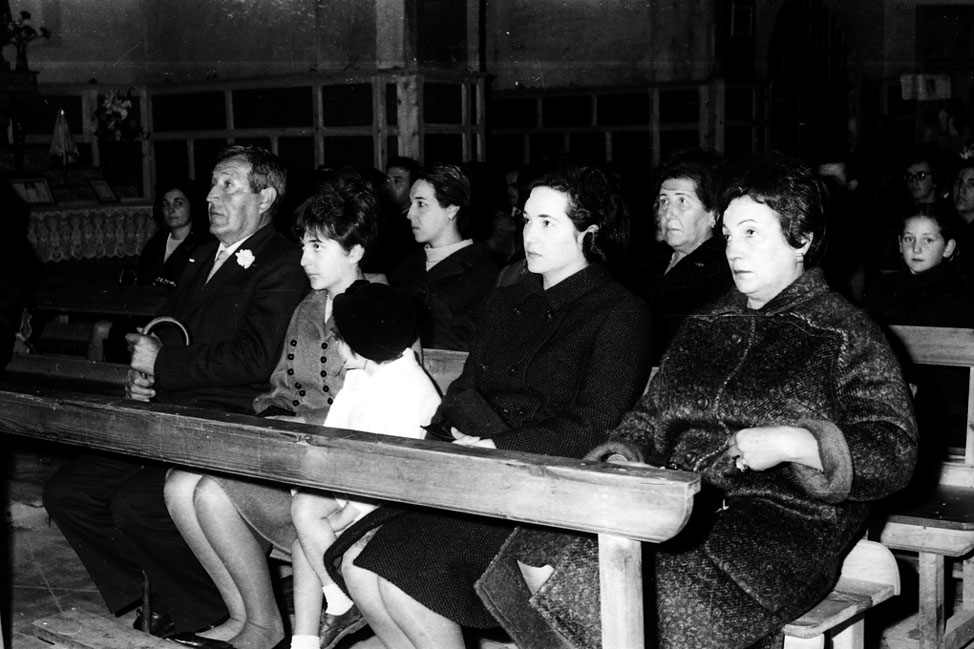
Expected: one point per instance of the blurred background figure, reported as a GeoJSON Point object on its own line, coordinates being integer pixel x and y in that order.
{"type": "Point", "coordinates": [183, 226]}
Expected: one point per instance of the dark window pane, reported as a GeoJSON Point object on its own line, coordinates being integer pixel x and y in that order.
{"type": "Point", "coordinates": [272, 107]}
{"type": "Point", "coordinates": [297, 152]}
{"type": "Point", "coordinates": [392, 144]}
{"type": "Point", "coordinates": [588, 146]}
{"type": "Point", "coordinates": [506, 150]}
{"type": "Point", "coordinates": [513, 113]}
{"type": "Point", "coordinates": [679, 105]}
{"type": "Point", "coordinates": [355, 151]}
{"type": "Point", "coordinates": [442, 103]}
{"type": "Point", "coordinates": [347, 105]}
{"type": "Point", "coordinates": [740, 104]}
{"type": "Point", "coordinates": [632, 149]}
{"type": "Point", "coordinates": [566, 111]}
{"type": "Point", "coordinates": [446, 148]}
{"type": "Point", "coordinates": [172, 162]}
{"type": "Point", "coordinates": [670, 141]}
{"type": "Point", "coordinates": [617, 110]}
{"type": "Point", "coordinates": [392, 105]}
{"type": "Point", "coordinates": [546, 144]}
{"type": "Point", "coordinates": [205, 153]}
{"type": "Point", "coordinates": [39, 120]}
{"type": "Point", "coordinates": [738, 140]}
{"type": "Point", "coordinates": [198, 111]}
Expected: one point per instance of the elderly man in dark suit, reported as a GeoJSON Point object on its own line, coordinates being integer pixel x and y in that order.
{"type": "Point", "coordinates": [235, 298]}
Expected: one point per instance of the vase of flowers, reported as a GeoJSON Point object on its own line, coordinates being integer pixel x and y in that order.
{"type": "Point", "coordinates": [118, 130]}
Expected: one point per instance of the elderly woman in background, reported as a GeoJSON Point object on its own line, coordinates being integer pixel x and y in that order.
{"type": "Point", "coordinates": [695, 272]}
{"type": "Point", "coordinates": [450, 278]}
{"type": "Point", "coordinates": [557, 359]}
{"type": "Point", "coordinates": [789, 403]}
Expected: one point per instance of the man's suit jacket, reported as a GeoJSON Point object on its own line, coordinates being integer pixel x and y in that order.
{"type": "Point", "coordinates": [236, 323]}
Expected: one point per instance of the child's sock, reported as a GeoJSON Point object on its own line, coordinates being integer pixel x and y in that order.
{"type": "Point", "coordinates": [338, 601]}
{"type": "Point", "coordinates": [305, 642]}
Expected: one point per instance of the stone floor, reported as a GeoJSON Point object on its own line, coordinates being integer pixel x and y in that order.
{"type": "Point", "coordinates": [46, 578]}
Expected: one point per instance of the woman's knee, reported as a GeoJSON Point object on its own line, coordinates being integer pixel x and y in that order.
{"type": "Point", "coordinates": [209, 495]}
{"type": "Point", "coordinates": [180, 488]}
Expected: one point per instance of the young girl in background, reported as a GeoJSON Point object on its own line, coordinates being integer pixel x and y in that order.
{"type": "Point", "coordinates": [930, 290]}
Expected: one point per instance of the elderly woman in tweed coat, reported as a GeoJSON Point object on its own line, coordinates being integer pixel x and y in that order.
{"type": "Point", "coordinates": [788, 402]}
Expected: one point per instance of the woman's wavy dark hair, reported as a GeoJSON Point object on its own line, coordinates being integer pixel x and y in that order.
{"type": "Point", "coordinates": [343, 208]}
{"type": "Point", "coordinates": [594, 198]}
{"type": "Point", "coordinates": [704, 168]}
{"type": "Point", "coordinates": [451, 187]}
{"type": "Point", "coordinates": [797, 196]}
{"type": "Point", "coordinates": [194, 194]}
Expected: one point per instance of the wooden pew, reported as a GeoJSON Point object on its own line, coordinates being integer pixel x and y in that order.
{"type": "Point", "coordinates": [623, 505]}
{"type": "Point", "coordinates": [942, 525]}
{"type": "Point", "coordinates": [866, 580]}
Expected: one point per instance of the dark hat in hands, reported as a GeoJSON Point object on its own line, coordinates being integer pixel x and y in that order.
{"type": "Point", "coordinates": [377, 321]}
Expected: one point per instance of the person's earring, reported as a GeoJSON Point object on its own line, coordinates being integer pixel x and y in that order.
{"type": "Point", "coordinates": [800, 257]}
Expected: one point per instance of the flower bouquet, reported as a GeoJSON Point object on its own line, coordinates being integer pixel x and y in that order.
{"type": "Point", "coordinates": [115, 118]}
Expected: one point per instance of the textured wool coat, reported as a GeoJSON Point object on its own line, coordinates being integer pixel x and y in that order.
{"type": "Point", "coordinates": [550, 372]}
{"type": "Point", "coordinates": [449, 296]}
{"type": "Point", "coordinates": [761, 547]}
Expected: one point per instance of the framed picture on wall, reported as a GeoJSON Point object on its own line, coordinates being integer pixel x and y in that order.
{"type": "Point", "coordinates": [103, 191]}
{"type": "Point", "coordinates": [34, 191]}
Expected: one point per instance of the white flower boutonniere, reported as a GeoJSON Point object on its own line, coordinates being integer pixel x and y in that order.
{"type": "Point", "coordinates": [245, 258]}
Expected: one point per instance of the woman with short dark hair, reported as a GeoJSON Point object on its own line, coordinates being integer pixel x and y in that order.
{"type": "Point", "coordinates": [450, 278]}
{"type": "Point", "coordinates": [180, 211]}
{"type": "Point", "coordinates": [787, 401]}
{"type": "Point", "coordinates": [557, 359]}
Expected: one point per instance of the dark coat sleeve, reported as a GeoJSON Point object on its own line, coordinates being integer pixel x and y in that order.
{"type": "Point", "coordinates": [238, 332]}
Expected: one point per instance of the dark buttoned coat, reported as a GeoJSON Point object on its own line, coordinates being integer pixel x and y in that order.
{"type": "Point", "coordinates": [772, 541]}
{"type": "Point", "coordinates": [449, 296]}
{"type": "Point", "coordinates": [550, 372]}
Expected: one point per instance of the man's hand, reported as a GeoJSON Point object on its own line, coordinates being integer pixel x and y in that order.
{"type": "Point", "coordinates": [144, 350]}
{"type": "Point", "coordinates": [138, 386]}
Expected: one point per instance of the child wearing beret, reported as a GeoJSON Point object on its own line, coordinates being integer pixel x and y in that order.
{"type": "Point", "coordinates": [386, 391]}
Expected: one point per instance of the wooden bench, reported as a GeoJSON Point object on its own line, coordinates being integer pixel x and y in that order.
{"type": "Point", "coordinates": [76, 319]}
{"type": "Point", "coordinates": [623, 505]}
{"type": "Point", "coordinates": [867, 578]}
{"type": "Point", "coordinates": [941, 526]}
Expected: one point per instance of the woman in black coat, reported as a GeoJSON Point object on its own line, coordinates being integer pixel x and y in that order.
{"type": "Point", "coordinates": [450, 277]}
{"type": "Point", "coordinates": [789, 403]}
{"type": "Point", "coordinates": [692, 272]}
{"type": "Point", "coordinates": [558, 358]}
{"type": "Point", "coordinates": [181, 213]}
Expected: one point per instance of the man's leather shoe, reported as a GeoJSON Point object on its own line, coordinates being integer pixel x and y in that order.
{"type": "Point", "coordinates": [160, 624]}
{"type": "Point", "coordinates": [335, 627]}
{"type": "Point", "coordinates": [199, 642]}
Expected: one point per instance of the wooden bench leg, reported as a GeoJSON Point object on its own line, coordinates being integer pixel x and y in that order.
{"type": "Point", "coordinates": [851, 637]}
{"type": "Point", "coordinates": [967, 568]}
{"type": "Point", "coordinates": [932, 622]}
{"type": "Point", "coordinates": [621, 588]}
